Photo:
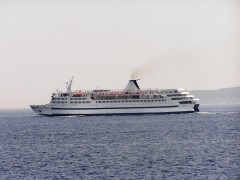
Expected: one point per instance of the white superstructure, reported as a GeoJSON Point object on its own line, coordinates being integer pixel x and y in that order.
{"type": "Point", "coordinates": [131, 100]}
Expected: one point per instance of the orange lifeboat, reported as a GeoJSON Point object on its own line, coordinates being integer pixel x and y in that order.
{"type": "Point", "coordinates": [78, 94]}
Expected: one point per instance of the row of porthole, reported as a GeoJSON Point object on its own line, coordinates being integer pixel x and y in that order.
{"type": "Point", "coordinates": [130, 101]}
{"type": "Point", "coordinates": [147, 101]}
{"type": "Point", "coordinates": [103, 104]}
{"type": "Point", "coordinates": [59, 98]}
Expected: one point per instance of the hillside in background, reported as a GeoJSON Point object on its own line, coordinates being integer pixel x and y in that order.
{"type": "Point", "coordinates": [219, 96]}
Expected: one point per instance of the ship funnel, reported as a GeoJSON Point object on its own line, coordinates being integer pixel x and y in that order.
{"type": "Point", "coordinates": [132, 85]}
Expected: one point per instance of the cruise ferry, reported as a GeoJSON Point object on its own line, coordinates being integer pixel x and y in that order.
{"type": "Point", "coordinates": [130, 101]}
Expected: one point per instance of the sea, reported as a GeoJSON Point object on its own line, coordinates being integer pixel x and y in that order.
{"type": "Point", "coordinates": [204, 145]}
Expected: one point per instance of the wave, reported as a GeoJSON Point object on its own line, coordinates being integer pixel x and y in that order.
{"type": "Point", "coordinates": [9, 115]}
{"type": "Point", "coordinates": [223, 113]}
{"type": "Point", "coordinates": [206, 113]}
{"type": "Point", "coordinates": [234, 112]}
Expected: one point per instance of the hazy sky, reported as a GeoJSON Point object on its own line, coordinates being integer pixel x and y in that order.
{"type": "Point", "coordinates": [168, 43]}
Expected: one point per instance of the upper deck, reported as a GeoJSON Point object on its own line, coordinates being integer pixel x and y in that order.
{"type": "Point", "coordinates": [132, 93]}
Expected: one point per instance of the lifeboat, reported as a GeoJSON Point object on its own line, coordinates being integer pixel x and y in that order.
{"type": "Point", "coordinates": [78, 94]}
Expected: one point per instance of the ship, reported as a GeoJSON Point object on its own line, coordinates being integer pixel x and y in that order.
{"type": "Point", "coordinates": [129, 101]}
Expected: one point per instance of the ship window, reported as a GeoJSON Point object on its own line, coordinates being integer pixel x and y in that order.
{"type": "Point", "coordinates": [186, 102]}
{"type": "Point", "coordinates": [178, 98]}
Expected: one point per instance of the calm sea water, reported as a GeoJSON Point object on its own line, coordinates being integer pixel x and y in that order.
{"type": "Point", "coordinates": [204, 145]}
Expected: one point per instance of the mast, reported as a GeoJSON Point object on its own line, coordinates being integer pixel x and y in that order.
{"type": "Point", "coordinates": [69, 85]}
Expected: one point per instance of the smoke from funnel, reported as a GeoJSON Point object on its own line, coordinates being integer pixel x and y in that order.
{"type": "Point", "coordinates": [137, 74]}
{"type": "Point", "coordinates": [147, 70]}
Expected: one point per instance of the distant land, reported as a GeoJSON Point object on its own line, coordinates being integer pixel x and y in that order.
{"type": "Point", "coordinates": [219, 96]}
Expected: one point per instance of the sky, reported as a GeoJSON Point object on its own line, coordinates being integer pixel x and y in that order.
{"type": "Point", "coordinates": [186, 44]}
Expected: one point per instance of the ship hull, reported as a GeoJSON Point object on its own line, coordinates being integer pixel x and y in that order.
{"type": "Point", "coordinates": [67, 111]}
